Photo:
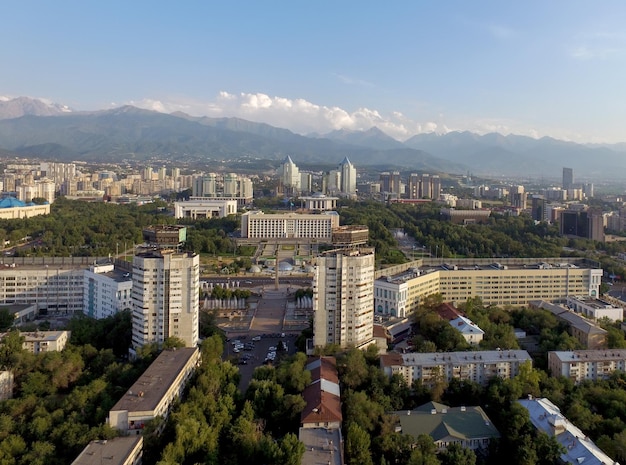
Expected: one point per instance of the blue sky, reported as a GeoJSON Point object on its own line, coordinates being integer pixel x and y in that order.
{"type": "Point", "coordinates": [536, 68]}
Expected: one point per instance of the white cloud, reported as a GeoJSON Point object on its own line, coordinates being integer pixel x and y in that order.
{"type": "Point", "coordinates": [304, 117]}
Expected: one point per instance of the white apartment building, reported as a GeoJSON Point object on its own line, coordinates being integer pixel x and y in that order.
{"type": "Point", "coordinates": [156, 390]}
{"type": "Point", "coordinates": [510, 282]}
{"type": "Point", "coordinates": [343, 298]}
{"type": "Point", "coordinates": [205, 207]}
{"type": "Point", "coordinates": [258, 225]}
{"type": "Point", "coordinates": [581, 365]}
{"type": "Point", "coordinates": [106, 291]}
{"type": "Point", "coordinates": [431, 368]}
{"type": "Point", "coordinates": [595, 309]}
{"type": "Point", "coordinates": [43, 188]}
{"type": "Point", "coordinates": [165, 297]}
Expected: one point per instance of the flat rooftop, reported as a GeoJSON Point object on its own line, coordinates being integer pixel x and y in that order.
{"type": "Point", "coordinates": [322, 446]}
{"type": "Point", "coordinates": [150, 388]}
{"type": "Point", "coordinates": [112, 451]}
{"type": "Point", "coordinates": [590, 355]}
{"type": "Point", "coordinates": [463, 358]}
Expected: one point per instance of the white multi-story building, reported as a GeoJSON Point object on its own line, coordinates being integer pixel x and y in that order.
{"type": "Point", "coordinates": [257, 225]}
{"type": "Point", "coordinates": [165, 297]}
{"type": "Point", "coordinates": [509, 282]}
{"type": "Point", "coordinates": [468, 329]}
{"type": "Point", "coordinates": [348, 177]}
{"type": "Point", "coordinates": [290, 175]}
{"type": "Point", "coordinates": [581, 365]}
{"type": "Point", "coordinates": [106, 291]}
{"type": "Point", "coordinates": [205, 207]}
{"type": "Point", "coordinates": [433, 368]}
{"type": "Point", "coordinates": [43, 188]}
{"type": "Point", "coordinates": [343, 298]}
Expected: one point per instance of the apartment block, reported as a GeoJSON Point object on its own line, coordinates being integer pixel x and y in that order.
{"type": "Point", "coordinates": [156, 390]}
{"type": "Point", "coordinates": [432, 368]}
{"type": "Point", "coordinates": [343, 298]}
{"type": "Point", "coordinates": [126, 450]}
{"type": "Point", "coordinates": [165, 297]}
{"type": "Point", "coordinates": [582, 365]}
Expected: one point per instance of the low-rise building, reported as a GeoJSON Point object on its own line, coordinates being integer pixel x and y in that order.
{"type": "Point", "coordinates": [45, 341]}
{"type": "Point", "coordinates": [125, 450]}
{"type": "Point", "coordinates": [582, 365]}
{"type": "Point", "coordinates": [322, 395]}
{"type": "Point", "coordinates": [468, 329]}
{"type": "Point", "coordinates": [435, 367]}
{"type": "Point", "coordinates": [468, 426]}
{"type": "Point", "coordinates": [154, 393]}
{"type": "Point", "coordinates": [594, 308]}
{"type": "Point", "coordinates": [589, 334]}
{"type": "Point", "coordinates": [546, 417]}
{"type": "Point", "coordinates": [205, 207]}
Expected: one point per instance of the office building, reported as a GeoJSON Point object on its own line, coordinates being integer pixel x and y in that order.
{"type": "Point", "coordinates": [12, 208]}
{"type": "Point", "coordinates": [106, 291]}
{"type": "Point", "coordinates": [508, 282]}
{"type": "Point", "coordinates": [518, 197]}
{"type": "Point", "coordinates": [568, 178]}
{"type": "Point", "coordinates": [594, 308]}
{"type": "Point", "coordinates": [586, 365]}
{"type": "Point", "coordinates": [165, 297]}
{"type": "Point", "coordinates": [258, 225]}
{"type": "Point", "coordinates": [390, 183]}
{"type": "Point", "coordinates": [577, 447]}
{"type": "Point", "coordinates": [343, 298]}
{"type": "Point", "coordinates": [539, 208]}
{"type": "Point", "coordinates": [156, 390]}
{"type": "Point", "coordinates": [348, 177]}
{"type": "Point", "coordinates": [319, 202]}
{"type": "Point", "coordinates": [205, 207]}
{"type": "Point", "coordinates": [432, 368]}
{"type": "Point", "coordinates": [289, 177]}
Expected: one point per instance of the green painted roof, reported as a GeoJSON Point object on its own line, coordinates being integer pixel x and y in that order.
{"type": "Point", "coordinates": [460, 423]}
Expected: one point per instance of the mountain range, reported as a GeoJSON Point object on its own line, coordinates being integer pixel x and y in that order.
{"type": "Point", "coordinates": [33, 128]}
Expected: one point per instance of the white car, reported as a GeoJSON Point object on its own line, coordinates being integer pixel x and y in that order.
{"type": "Point", "coordinates": [256, 338]}
{"type": "Point", "coordinates": [272, 349]}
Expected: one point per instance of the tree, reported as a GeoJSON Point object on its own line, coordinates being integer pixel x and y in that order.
{"type": "Point", "coordinates": [7, 319]}
{"type": "Point", "coordinates": [173, 342]}
{"type": "Point", "coordinates": [357, 446]}
{"type": "Point", "coordinates": [455, 454]}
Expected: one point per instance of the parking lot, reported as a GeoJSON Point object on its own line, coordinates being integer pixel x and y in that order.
{"type": "Point", "coordinates": [256, 356]}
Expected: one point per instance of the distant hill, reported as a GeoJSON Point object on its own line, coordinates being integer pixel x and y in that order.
{"type": "Point", "coordinates": [20, 106]}
{"type": "Point", "coordinates": [33, 128]}
{"type": "Point", "coordinates": [129, 132]}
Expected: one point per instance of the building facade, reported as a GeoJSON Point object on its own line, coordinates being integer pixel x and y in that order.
{"type": "Point", "coordinates": [432, 368]}
{"type": "Point", "coordinates": [106, 291]}
{"type": "Point", "coordinates": [583, 365]}
{"type": "Point", "coordinates": [343, 298]}
{"type": "Point", "coordinates": [45, 341]}
{"type": "Point", "coordinates": [165, 297]}
{"type": "Point", "coordinates": [204, 207]}
{"type": "Point", "coordinates": [258, 225]}
{"type": "Point", "coordinates": [508, 282]}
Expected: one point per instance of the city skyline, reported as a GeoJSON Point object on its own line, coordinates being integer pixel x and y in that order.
{"type": "Point", "coordinates": [532, 69]}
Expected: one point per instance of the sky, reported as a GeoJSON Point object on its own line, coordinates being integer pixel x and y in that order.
{"type": "Point", "coordinates": [538, 68]}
